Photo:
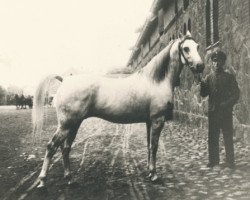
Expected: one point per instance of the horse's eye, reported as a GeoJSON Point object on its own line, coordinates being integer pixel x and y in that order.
{"type": "Point", "coordinates": [186, 49]}
{"type": "Point", "coordinates": [198, 46]}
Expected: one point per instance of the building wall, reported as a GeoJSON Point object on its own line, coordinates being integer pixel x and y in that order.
{"type": "Point", "coordinates": [169, 13]}
{"type": "Point", "coordinates": [234, 34]}
{"type": "Point", "coordinates": [234, 40]}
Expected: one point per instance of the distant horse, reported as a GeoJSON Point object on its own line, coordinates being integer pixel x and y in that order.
{"type": "Point", "coordinates": [20, 101]}
{"type": "Point", "coordinates": [29, 101]}
{"type": "Point", "coordinates": [17, 101]}
{"type": "Point", "coordinates": [143, 96]}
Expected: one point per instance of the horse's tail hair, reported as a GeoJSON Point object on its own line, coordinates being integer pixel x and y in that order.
{"type": "Point", "coordinates": [39, 103]}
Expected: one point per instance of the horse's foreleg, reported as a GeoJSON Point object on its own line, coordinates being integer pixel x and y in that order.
{"type": "Point", "coordinates": [156, 128]}
{"type": "Point", "coordinates": [57, 140]}
{"type": "Point", "coordinates": [148, 125]}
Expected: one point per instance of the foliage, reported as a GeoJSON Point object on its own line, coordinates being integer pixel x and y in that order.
{"type": "Point", "coordinates": [3, 93]}
{"type": "Point", "coordinates": [7, 96]}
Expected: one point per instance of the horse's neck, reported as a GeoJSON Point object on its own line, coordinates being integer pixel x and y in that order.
{"type": "Point", "coordinates": [175, 65]}
{"type": "Point", "coordinates": [165, 67]}
{"type": "Point", "coordinates": [174, 72]}
{"type": "Point", "coordinates": [156, 69]}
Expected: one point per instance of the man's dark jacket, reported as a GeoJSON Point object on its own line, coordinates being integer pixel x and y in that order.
{"type": "Point", "coordinates": [223, 92]}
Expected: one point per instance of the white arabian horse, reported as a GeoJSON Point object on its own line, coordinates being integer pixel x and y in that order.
{"type": "Point", "coordinates": [143, 96]}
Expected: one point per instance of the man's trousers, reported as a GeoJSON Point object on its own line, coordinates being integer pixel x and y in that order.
{"type": "Point", "coordinates": [216, 122]}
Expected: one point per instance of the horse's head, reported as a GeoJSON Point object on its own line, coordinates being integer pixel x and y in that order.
{"type": "Point", "coordinates": [189, 55]}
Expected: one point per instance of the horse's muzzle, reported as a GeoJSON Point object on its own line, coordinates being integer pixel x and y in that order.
{"type": "Point", "coordinates": [200, 68]}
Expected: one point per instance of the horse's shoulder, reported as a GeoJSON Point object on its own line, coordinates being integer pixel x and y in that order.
{"type": "Point", "coordinates": [229, 74]}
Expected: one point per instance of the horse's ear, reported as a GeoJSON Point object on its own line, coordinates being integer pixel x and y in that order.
{"type": "Point", "coordinates": [162, 41]}
{"type": "Point", "coordinates": [180, 35]}
{"type": "Point", "coordinates": [188, 33]}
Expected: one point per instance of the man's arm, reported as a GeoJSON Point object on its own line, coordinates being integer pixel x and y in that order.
{"type": "Point", "coordinates": [234, 91]}
{"type": "Point", "coordinates": [204, 90]}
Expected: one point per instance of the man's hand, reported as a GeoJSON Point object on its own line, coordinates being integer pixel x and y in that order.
{"type": "Point", "coordinates": [223, 105]}
{"type": "Point", "coordinates": [202, 78]}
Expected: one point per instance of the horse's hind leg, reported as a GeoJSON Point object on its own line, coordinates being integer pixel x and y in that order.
{"type": "Point", "coordinates": [59, 137]}
{"type": "Point", "coordinates": [66, 148]}
{"type": "Point", "coordinates": [148, 125]}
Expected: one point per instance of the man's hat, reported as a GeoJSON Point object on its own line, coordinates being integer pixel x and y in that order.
{"type": "Point", "coordinates": [218, 55]}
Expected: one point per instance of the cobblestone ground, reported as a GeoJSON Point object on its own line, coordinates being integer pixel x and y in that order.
{"type": "Point", "coordinates": [109, 161]}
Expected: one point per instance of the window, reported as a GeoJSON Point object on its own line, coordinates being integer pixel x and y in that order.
{"type": "Point", "coordinates": [189, 25]}
{"type": "Point", "coordinates": [208, 23]}
{"type": "Point", "coordinates": [176, 6]}
{"type": "Point", "coordinates": [185, 29]}
{"type": "Point", "coordinates": [212, 16]}
{"type": "Point", "coordinates": [161, 21]}
{"type": "Point", "coordinates": [185, 4]}
{"type": "Point", "coordinates": [215, 21]}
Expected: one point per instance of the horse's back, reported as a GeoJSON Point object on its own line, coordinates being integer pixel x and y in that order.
{"type": "Point", "coordinates": [105, 86]}
{"type": "Point", "coordinates": [120, 100]}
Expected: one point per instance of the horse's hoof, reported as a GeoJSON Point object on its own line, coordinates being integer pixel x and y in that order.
{"type": "Point", "coordinates": [41, 185]}
{"type": "Point", "coordinates": [73, 183]}
{"type": "Point", "coordinates": [154, 178]}
{"type": "Point", "coordinates": [67, 177]}
{"type": "Point", "coordinates": [42, 189]}
{"type": "Point", "coordinates": [150, 175]}
{"type": "Point", "coordinates": [70, 182]}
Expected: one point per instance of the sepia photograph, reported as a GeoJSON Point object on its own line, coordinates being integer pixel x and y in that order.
{"type": "Point", "coordinates": [125, 100]}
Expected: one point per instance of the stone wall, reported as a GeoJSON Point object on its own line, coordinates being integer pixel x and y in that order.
{"type": "Point", "coordinates": [235, 37]}
{"type": "Point", "coordinates": [234, 40]}
{"type": "Point", "coordinates": [234, 23]}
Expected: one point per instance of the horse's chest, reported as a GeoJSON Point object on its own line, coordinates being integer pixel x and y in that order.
{"type": "Point", "coordinates": [160, 101]}
{"type": "Point", "coordinates": [129, 100]}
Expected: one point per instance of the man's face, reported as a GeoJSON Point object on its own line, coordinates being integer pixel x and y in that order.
{"type": "Point", "coordinates": [218, 63]}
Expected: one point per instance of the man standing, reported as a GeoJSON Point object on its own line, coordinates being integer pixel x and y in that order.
{"type": "Point", "coordinates": [223, 92]}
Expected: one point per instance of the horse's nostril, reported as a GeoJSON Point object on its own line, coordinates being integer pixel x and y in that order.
{"type": "Point", "coordinates": [200, 67]}
{"type": "Point", "coordinates": [192, 68]}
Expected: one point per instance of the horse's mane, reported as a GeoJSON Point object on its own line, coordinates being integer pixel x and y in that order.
{"type": "Point", "coordinates": [120, 71]}
{"type": "Point", "coordinates": [158, 66]}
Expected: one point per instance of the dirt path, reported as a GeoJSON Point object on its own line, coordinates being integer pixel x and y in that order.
{"type": "Point", "coordinates": [109, 161]}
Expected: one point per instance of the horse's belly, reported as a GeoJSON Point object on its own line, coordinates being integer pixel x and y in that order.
{"type": "Point", "coordinates": [122, 113]}
{"type": "Point", "coordinates": [121, 104]}
{"type": "Point", "coordinates": [123, 118]}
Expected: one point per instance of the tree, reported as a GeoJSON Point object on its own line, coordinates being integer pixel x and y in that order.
{"type": "Point", "coordinates": [10, 96]}
{"type": "Point", "coordinates": [3, 93]}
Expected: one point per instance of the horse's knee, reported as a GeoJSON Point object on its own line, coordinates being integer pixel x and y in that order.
{"type": "Point", "coordinates": [158, 124]}
{"type": "Point", "coordinates": [66, 150]}
{"type": "Point", "coordinates": [51, 149]}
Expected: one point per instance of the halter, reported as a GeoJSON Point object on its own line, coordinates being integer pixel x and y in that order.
{"type": "Point", "coordinates": [181, 51]}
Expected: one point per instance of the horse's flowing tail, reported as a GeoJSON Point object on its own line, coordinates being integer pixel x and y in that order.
{"type": "Point", "coordinates": [39, 102]}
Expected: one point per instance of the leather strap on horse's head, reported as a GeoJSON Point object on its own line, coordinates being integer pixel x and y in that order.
{"type": "Point", "coordinates": [177, 83]}
{"type": "Point", "coordinates": [181, 50]}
